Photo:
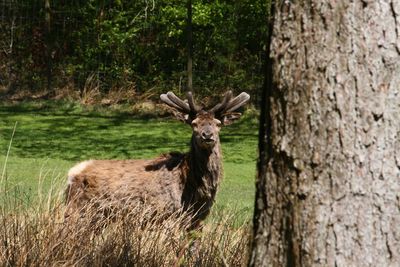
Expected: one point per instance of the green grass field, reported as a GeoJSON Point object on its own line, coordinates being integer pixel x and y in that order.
{"type": "Point", "coordinates": [50, 138]}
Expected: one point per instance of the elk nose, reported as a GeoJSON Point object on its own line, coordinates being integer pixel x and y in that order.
{"type": "Point", "coordinates": [206, 135]}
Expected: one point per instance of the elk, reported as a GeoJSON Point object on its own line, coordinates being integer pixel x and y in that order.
{"type": "Point", "coordinates": [173, 181]}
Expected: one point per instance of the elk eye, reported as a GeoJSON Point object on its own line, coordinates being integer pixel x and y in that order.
{"type": "Point", "coordinates": [194, 124]}
{"type": "Point", "coordinates": [218, 123]}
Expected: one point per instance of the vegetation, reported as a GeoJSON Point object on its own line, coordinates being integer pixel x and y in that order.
{"type": "Point", "coordinates": [119, 52]}
{"type": "Point", "coordinates": [41, 237]}
{"type": "Point", "coordinates": [131, 45]}
{"type": "Point", "coordinates": [50, 137]}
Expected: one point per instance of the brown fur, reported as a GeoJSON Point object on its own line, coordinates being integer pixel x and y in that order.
{"type": "Point", "coordinates": [172, 182]}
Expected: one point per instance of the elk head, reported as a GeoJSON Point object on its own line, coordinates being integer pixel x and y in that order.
{"type": "Point", "coordinates": [206, 124]}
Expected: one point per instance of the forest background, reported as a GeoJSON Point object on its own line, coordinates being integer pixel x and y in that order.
{"type": "Point", "coordinates": [137, 48]}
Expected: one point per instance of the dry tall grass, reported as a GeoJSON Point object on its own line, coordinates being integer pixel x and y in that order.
{"type": "Point", "coordinates": [39, 236]}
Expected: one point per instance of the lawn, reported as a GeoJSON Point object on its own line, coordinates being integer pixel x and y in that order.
{"type": "Point", "coordinates": [50, 138]}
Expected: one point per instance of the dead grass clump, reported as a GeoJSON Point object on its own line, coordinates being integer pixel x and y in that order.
{"type": "Point", "coordinates": [41, 237]}
{"type": "Point", "coordinates": [118, 95]}
{"type": "Point", "coordinates": [91, 91]}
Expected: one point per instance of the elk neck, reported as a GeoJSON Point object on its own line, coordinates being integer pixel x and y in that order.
{"type": "Point", "coordinates": [204, 173]}
{"type": "Point", "coordinates": [206, 166]}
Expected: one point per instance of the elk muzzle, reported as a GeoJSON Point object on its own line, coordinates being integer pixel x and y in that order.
{"type": "Point", "coordinates": [207, 137]}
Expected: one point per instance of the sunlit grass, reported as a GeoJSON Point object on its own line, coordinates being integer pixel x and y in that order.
{"type": "Point", "coordinates": [51, 138]}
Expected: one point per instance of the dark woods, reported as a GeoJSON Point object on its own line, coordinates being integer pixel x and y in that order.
{"type": "Point", "coordinates": [135, 46]}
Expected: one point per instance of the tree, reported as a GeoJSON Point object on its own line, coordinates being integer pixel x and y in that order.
{"type": "Point", "coordinates": [48, 43]}
{"type": "Point", "coordinates": [328, 188]}
{"type": "Point", "coordinates": [189, 47]}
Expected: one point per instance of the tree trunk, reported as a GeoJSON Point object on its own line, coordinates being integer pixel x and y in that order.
{"type": "Point", "coordinates": [189, 47]}
{"type": "Point", "coordinates": [48, 44]}
{"type": "Point", "coordinates": [328, 189]}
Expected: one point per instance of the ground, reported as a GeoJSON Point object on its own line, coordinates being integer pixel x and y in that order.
{"type": "Point", "coordinates": [52, 137]}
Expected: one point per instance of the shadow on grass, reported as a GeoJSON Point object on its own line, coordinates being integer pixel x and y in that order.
{"type": "Point", "coordinates": [72, 134]}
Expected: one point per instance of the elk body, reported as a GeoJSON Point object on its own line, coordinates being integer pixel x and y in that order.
{"type": "Point", "coordinates": [171, 182]}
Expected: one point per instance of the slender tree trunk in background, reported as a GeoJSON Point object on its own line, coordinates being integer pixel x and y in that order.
{"type": "Point", "coordinates": [48, 44]}
{"type": "Point", "coordinates": [329, 194]}
{"type": "Point", "coordinates": [189, 47]}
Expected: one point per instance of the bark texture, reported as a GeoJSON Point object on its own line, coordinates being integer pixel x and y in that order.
{"type": "Point", "coordinates": [330, 192]}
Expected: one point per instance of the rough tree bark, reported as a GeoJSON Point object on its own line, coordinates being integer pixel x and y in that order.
{"type": "Point", "coordinates": [329, 193]}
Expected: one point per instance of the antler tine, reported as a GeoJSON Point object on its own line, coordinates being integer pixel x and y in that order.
{"type": "Point", "coordinates": [237, 102]}
{"type": "Point", "coordinates": [167, 101]}
{"type": "Point", "coordinates": [221, 106]}
{"type": "Point", "coordinates": [173, 101]}
{"type": "Point", "coordinates": [178, 101]}
{"type": "Point", "coordinates": [193, 107]}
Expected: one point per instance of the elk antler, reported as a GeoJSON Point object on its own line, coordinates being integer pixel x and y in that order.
{"type": "Point", "coordinates": [184, 107]}
{"type": "Point", "coordinates": [220, 106]}
{"type": "Point", "coordinates": [192, 105]}
{"type": "Point", "coordinates": [175, 102]}
{"type": "Point", "coordinates": [229, 105]}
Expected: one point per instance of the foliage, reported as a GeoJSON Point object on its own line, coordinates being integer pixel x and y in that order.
{"type": "Point", "coordinates": [137, 43]}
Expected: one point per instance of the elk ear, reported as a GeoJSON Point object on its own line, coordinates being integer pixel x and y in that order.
{"type": "Point", "coordinates": [229, 118]}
